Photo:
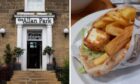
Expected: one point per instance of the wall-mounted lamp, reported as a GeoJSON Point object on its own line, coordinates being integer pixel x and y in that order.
{"type": "Point", "coordinates": [66, 32]}
{"type": "Point", "coordinates": [2, 32]}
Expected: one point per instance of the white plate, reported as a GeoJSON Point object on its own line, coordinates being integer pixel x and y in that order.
{"type": "Point", "coordinates": [124, 76]}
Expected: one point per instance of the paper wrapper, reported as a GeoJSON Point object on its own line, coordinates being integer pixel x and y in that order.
{"type": "Point", "coordinates": [132, 57]}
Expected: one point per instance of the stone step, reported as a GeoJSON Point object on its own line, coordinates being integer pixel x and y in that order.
{"type": "Point", "coordinates": [36, 74]}
{"type": "Point", "coordinates": [12, 82]}
{"type": "Point", "coordinates": [35, 82]}
{"type": "Point", "coordinates": [33, 72]}
{"type": "Point", "coordinates": [34, 77]}
{"type": "Point", "coordinates": [39, 79]}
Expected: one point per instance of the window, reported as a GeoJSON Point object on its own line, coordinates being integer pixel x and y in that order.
{"type": "Point", "coordinates": [34, 36]}
{"type": "Point", "coordinates": [34, 5]}
{"type": "Point", "coordinates": [33, 44]}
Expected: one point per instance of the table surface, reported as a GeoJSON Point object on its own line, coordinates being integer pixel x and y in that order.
{"type": "Point", "coordinates": [96, 5]}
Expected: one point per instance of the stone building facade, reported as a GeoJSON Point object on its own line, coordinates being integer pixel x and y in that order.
{"type": "Point", "coordinates": [8, 10]}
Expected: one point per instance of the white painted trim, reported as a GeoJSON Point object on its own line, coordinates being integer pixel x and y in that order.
{"type": "Point", "coordinates": [25, 29]}
{"type": "Point", "coordinates": [25, 5]}
{"type": "Point", "coordinates": [22, 38]}
{"type": "Point", "coordinates": [22, 42]}
{"type": "Point", "coordinates": [19, 38]}
{"type": "Point", "coordinates": [19, 35]}
{"type": "Point", "coordinates": [44, 44]}
{"type": "Point", "coordinates": [49, 35]}
{"type": "Point", "coordinates": [24, 56]}
{"type": "Point", "coordinates": [36, 16]}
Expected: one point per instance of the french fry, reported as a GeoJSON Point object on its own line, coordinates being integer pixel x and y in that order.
{"type": "Point", "coordinates": [100, 59]}
{"type": "Point", "coordinates": [128, 13]}
{"type": "Point", "coordinates": [118, 18]}
{"type": "Point", "coordinates": [107, 19]}
{"type": "Point", "coordinates": [127, 45]}
{"type": "Point", "coordinates": [119, 42]}
{"type": "Point", "coordinates": [113, 30]}
{"type": "Point", "coordinates": [117, 24]}
{"type": "Point", "coordinates": [99, 24]}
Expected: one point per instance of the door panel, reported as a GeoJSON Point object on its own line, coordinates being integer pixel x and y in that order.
{"type": "Point", "coordinates": [34, 54]}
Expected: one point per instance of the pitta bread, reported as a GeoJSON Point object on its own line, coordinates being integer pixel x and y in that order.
{"type": "Point", "coordinates": [104, 68]}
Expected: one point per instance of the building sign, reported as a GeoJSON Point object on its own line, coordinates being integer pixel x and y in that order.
{"type": "Point", "coordinates": [34, 20]}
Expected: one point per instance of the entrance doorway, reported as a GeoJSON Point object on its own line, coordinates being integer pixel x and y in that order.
{"type": "Point", "coordinates": [34, 50]}
{"type": "Point", "coordinates": [34, 53]}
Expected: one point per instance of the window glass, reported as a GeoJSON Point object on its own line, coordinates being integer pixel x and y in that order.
{"type": "Point", "coordinates": [35, 5]}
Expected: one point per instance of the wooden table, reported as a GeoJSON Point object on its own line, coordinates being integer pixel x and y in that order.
{"type": "Point", "coordinates": [96, 5]}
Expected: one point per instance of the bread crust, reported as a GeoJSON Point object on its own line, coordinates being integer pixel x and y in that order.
{"type": "Point", "coordinates": [104, 68]}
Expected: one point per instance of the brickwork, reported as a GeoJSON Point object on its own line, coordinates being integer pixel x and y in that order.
{"type": "Point", "coordinates": [9, 7]}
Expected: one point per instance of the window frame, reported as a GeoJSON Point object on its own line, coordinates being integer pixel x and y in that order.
{"type": "Point", "coordinates": [26, 7]}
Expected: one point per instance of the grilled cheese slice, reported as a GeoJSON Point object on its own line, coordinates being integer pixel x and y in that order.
{"type": "Point", "coordinates": [96, 39]}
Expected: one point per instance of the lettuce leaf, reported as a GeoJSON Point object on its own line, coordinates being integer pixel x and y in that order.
{"type": "Point", "coordinates": [81, 70]}
{"type": "Point", "coordinates": [92, 54]}
{"type": "Point", "coordinates": [82, 32]}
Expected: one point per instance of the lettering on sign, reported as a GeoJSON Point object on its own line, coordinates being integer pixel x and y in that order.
{"type": "Point", "coordinates": [30, 20]}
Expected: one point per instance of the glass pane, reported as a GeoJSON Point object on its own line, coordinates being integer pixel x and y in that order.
{"type": "Point", "coordinates": [35, 5]}
{"type": "Point", "coordinates": [34, 35]}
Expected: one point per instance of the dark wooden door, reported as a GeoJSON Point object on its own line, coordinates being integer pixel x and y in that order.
{"type": "Point", "coordinates": [34, 54]}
